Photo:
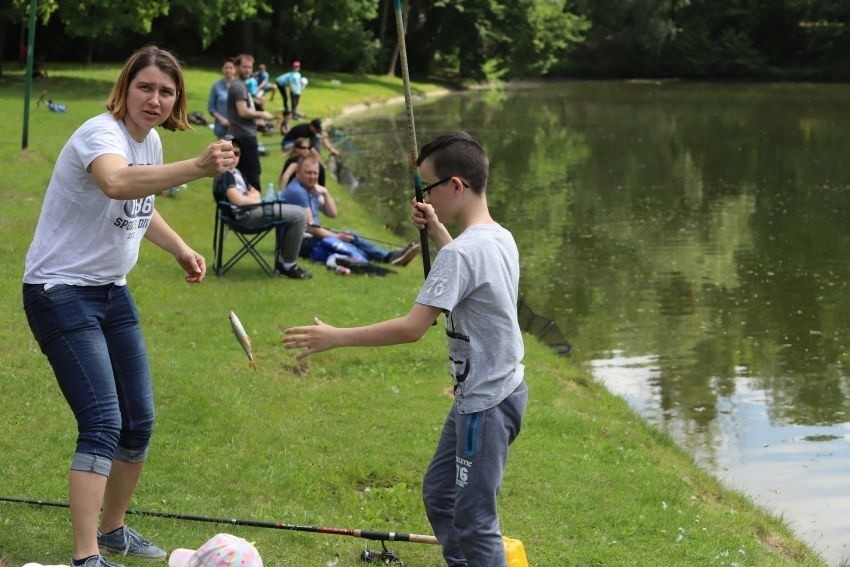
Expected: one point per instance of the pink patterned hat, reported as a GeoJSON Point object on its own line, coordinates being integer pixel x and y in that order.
{"type": "Point", "coordinates": [222, 550]}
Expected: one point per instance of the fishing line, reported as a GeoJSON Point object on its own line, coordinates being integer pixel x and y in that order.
{"type": "Point", "coordinates": [378, 240]}
{"type": "Point", "coordinates": [411, 129]}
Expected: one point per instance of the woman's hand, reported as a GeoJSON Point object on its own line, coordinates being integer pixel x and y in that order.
{"type": "Point", "coordinates": [193, 263]}
{"type": "Point", "coordinates": [217, 158]}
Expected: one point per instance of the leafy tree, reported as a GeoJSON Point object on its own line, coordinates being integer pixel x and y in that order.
{"type": "Point", "coordinates": [95, 19]}
{"type": "Point", "coordinates": [472, 38]}
{"type": "Point", "coordinates": [18, 11]}
{"type": "Point", "coordinates": [543, 33]}
{"type": "Point", "coordinates": [628, 35]}
{"type": "Point", "coordinates": [332, 34]}
{"type": "Point", "coordinates": [495, 37]}
{"type": "Point", "coordinates": [210, 16]}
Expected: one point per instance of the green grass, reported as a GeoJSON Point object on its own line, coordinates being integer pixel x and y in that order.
{"type": "Point", "coordinates": [344, 440]}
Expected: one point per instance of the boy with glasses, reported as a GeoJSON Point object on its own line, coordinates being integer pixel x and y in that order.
{"type": "Point", "coordinates": [474, 281]}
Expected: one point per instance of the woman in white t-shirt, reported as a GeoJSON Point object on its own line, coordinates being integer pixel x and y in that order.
{"type": "Point", "coordinates": [98, 207]}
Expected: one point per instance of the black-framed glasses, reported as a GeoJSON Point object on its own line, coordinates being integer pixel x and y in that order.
{"type": "Point", "coordinates": [302, 147]}
{"type": "Point", "coordinates": [426, 191]}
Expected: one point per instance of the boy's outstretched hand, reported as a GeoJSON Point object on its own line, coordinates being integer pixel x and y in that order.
{"type": "Point", "coordinates": [314, 338]}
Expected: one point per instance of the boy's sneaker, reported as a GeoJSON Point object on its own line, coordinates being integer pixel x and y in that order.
{"type": "Point", "coordinates": [97, 561]}
{"type": "Point", "coordinates": [128, 541]}
{"type": "Point", "coordinates": [296, 272]}
{"type": "Point", "coordinates": [404, 256]}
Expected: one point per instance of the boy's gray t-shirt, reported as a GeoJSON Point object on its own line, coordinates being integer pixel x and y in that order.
{"type": "Point", "coordinates": [475, 279]}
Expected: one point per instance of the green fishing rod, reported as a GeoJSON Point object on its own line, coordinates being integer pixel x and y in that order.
{"type": "Point", "coordinates": [411, 130]}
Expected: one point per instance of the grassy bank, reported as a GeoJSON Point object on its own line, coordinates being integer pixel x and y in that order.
{"type": "Point", "coordinates": [344, 440]}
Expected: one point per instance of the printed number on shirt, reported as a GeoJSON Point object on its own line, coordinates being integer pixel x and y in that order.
{"type": "Point", "coordinates": [139, 212]}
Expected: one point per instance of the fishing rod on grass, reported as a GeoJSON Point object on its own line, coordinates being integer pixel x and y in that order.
{"type": "Point", "coordinates": [364, 534]}
{"type": "Point", "coordinates": [386, 556]}
{"type": "Point", "coordinates": [411, 129]}
{"type": "Point", "coordinates": [377, 240]}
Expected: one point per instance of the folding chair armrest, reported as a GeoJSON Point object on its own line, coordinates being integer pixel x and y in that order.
{"type": "Point", "coordinates": [230, 206]}
{"type": "Point", "coordinates": [228, 211]}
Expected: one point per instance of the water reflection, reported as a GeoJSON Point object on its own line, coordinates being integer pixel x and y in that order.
{"type": "Point", "coordinates": [690, 241]}
{"type": "Point", "coordinates": [799, 471]}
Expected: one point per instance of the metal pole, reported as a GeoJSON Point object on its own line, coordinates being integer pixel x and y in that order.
{"type": "Point", "coordinates": [28, 77]}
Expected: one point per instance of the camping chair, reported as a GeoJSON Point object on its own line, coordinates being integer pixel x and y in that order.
{"type": "Point", "coordinates": [249, 237]}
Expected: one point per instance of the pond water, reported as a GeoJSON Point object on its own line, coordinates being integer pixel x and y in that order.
{"type": "Point", "coordinates": [691, 242]}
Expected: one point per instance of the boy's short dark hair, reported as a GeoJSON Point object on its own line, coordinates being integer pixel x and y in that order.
{"type": "Point", "coordinates": [458, 153]}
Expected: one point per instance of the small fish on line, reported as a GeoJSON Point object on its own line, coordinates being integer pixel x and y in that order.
{"type": "Point", "coordinates": [243, 338]}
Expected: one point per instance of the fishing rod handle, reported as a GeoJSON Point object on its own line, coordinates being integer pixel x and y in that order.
{"type": "Point", "coordinates": [393, 536]}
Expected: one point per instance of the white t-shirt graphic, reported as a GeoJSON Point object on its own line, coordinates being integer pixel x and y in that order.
{"type": "Point", "coordinates": [475, 278]}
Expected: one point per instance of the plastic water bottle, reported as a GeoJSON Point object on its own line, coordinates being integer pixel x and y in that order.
{"type": "Point", "coordinates": [268, 201]}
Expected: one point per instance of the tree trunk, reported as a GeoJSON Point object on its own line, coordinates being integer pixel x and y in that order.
{"type": "Point", "coordinates": [382, 30]}
{"type": "Point", "coordinates": [3, 27]}
{"type": "Point", "coordinates": [279, 24]}
{"type": "Point", "coordinates": [248, 37]}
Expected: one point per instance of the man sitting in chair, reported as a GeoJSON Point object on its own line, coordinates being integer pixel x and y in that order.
{"type": "Point", "coordinates": [239, 194]}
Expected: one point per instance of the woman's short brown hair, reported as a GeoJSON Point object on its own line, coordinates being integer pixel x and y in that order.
{"type": "Point", "coordinates": [164, 61]}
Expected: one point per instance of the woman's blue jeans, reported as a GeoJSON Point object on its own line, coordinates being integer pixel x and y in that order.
{"type": "Point", "coordinates": [92, 338]}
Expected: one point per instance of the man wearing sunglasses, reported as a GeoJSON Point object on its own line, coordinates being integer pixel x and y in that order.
{"type": "Point", "coordinates": [312, 131]}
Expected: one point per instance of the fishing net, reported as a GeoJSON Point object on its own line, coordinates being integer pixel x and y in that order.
{"type": "Point", "coordinates": [544, 328]}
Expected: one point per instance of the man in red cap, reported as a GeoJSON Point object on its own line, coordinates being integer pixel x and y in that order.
{"type": "Point", "coordinates": [291, 82]}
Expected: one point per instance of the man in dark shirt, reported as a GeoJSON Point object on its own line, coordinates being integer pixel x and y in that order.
{"type": "Point", "coordinates": [311, 130]}
{"type": "Point", "coordinates": [243, 120]}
